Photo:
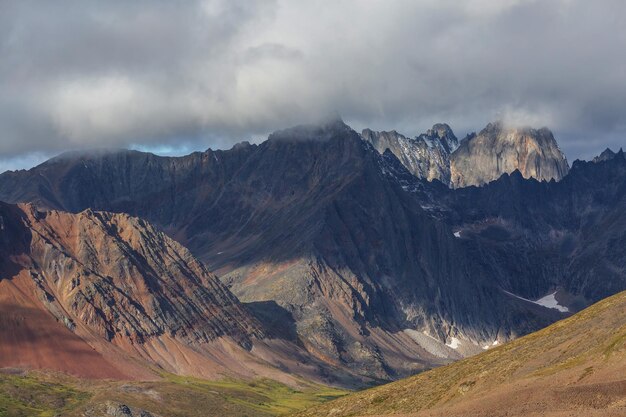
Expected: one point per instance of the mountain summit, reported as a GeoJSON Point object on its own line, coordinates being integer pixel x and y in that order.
{"type": "Point", "coordinates": [478, 159]}
{"type": "Point", "coordinates": [350, 256]}
{"type": "Point", "coordinates": [499, 149]}
{"type": "Point", "coordinates": [425, 156]}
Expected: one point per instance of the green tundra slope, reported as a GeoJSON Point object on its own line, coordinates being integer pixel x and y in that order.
{"type": "Point", "coordinates": [47, 395]}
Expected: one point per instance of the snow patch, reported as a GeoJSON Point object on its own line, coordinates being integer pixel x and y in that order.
{"type": "Point", "coordinates": [495, 343]}
{"type": "Point", "coordinates": [550, 301]}
{"type": "Point", "coordinates": [454, 343]}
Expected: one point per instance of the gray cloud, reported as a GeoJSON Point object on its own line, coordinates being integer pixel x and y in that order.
{"type": "Point", "coordinates": [195, 74]}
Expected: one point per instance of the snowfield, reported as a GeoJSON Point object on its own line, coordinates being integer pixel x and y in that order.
{"type": "Point", "coordinates": [548, 301]}
{"type": "Point", "coordinates": [551, 302]}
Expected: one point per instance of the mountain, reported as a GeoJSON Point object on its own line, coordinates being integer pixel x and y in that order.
{"type": "Point", "coordinates": [606, 155]}
{"type": "Point", "coordinates": [104, 295]}
{"type": "Point", "coordinates": [567, 235]}
{"type": "Point", "coordinates": [318, 234]}
{"type": "Point", "coordinates": [425, 156]}
{"type": "Point", "coordinates": [498, 149]}
{"type": "Point", "coordinates": [478, 159]}
{"type": "Point", "coordinates": [558, 243]}
{"type": "Point", "coordinates": [575, 367]}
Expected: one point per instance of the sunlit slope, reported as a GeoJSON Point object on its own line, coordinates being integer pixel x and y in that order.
{"type": "Point", "coordinates": [575, 367]}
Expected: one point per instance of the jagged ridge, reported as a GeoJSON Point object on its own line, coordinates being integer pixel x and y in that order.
{"type": "Point", "coordinates": [478, 159]}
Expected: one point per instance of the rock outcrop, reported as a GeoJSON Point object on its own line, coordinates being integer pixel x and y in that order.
{"type": "Point", "coordinates": [425, 156]}
{"type": "Point", "coordinates": [498, 150]}
{"type": "Point", "coordinates": [478, 159]}
{"type": "Point", "coordinates": [606, 155]}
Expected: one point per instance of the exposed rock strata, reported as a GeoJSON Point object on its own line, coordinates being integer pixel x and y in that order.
{"type": "Point", "coordinates": [425, 156]}
{"type": "Point", "coordinates": [118, 296]}
{"type": "Point", "coordinates": [498, 150]}
{"type": "Point", "coordinates": [478, 159]}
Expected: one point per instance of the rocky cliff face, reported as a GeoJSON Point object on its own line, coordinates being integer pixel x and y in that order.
{"type": "Point", "coordinates": [497, 150]}
{"type": "Point", "coordinates": [539, 238]}
{"type": "Point", "coordinates": [478, 159]}
{"type": "Point", "coordinates": [567, 234]}
{"type": "Point", "coordinates": [425, 156]}
{"type": "Point", "coordinates": [117, 296]}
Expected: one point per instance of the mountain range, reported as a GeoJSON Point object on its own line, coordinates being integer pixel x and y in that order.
{"type": "Point", "coordinates": [320, 254]}
{"type": "Point", "coordinates": [349, 256]}
{"type": "Point", "coordinates": [477, 159]}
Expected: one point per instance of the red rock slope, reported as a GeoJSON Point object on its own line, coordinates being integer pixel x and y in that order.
{"type": "Point", "coordinates": [106, 295]}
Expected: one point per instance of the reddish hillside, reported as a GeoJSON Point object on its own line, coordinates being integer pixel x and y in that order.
{"type": "Point", "coordinates": [106, 295]}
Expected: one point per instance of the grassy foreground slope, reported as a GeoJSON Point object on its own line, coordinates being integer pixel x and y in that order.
{"type": "Point", "coordinates": [48, 395]}
{"type": "Point", "coordinates": [575, 367]}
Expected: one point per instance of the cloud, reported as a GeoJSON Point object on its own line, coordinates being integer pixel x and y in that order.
{"type": "Point", "coordinates": [208, 73]}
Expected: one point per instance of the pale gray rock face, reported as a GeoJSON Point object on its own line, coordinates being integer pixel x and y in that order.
{"type": "Point", "coordinates": [442, 133]}
{"type": "Point", "coordinates": [425, 156]}
{"type": "Point", "coordinates": [498, 150]}
{"type": "Point", "coordinates": [478, 159]}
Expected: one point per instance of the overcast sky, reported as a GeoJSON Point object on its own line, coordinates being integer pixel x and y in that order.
{"type": "Point", "coordinates": [176, 76]}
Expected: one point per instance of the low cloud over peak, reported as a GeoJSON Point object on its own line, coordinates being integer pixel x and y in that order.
{"type": "Point", "coordinates": [211, 73]}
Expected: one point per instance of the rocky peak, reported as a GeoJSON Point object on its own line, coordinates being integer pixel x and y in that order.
{"type": "Point", "coordinates": [242, 145]}
{"type": "Point", "coordinates": [606, 155]}
{"type": "Point", "coordinates": [324, 235]}
{"type": "Point", "coordinates": [500, 149]}
{"type": "Point", "coordinates": [443, 133]}
{"type": "Point", "coordinates": [425, 156]}
{"type": "Point", "coordinates": [125, 265]}
{"type": "Point", "coordinates": [494, 127]}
